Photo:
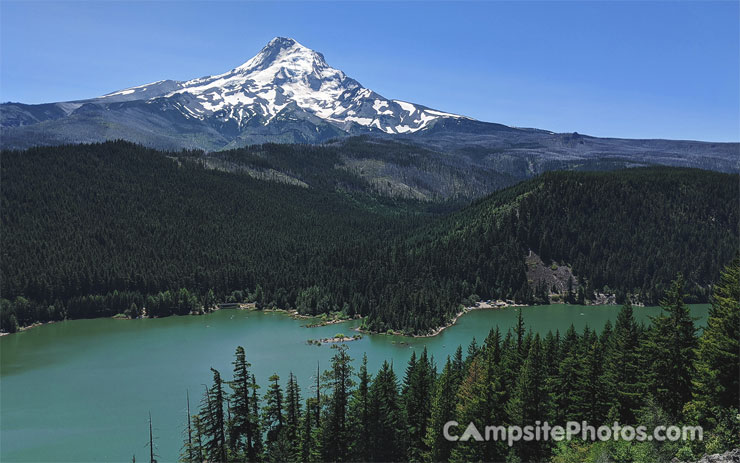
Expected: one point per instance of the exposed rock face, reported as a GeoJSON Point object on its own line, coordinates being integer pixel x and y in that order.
{"type": "Point", "coordinates": [552, 275]}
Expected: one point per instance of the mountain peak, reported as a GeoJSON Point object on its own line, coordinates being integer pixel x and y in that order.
{"type": "Point", "coordinates": [281, 42]}
{"type": "Point", "coordinates": [288, 79]}
{"type": "Point", "coordinates": [283, 52]}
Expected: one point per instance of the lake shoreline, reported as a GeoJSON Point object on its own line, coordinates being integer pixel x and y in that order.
{"type": "Point", "coordinates": [294, 314]}
{"type": "Point", "coordinates": [482, 305]}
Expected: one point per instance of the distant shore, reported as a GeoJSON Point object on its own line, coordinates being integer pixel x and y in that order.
{"type": "Point", "coordinates": [499, 304]}
{"type": "Point", "coordinates": [336, 318]}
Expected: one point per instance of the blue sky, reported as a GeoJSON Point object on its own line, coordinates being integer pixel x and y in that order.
{"type": "Point", "coordinates": [628, 69]}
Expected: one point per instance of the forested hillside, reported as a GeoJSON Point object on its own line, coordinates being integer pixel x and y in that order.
{"type": "Point", "coordinates": [627, 232]}
{"type": "Point", "coordinates": [97, 230]}
{"type": "Point", "coordinates": [385, 167]}
{"type": "Point", "coordinates": [90, 230]}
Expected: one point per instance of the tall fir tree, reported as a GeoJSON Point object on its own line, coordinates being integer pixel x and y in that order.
{"type": "Point", "coordinates": [529, 401]}
{"type": "Point", "coordinates": [621, 377]}
{"type": "Point", "coordinates": [386, 417]}
{"type": "Point", "coordinates": [717, 363]}
{"type": "Point", "coordinates": [335, 431]}
{"type": "Point", "coordinates": [213, 420]}
{"type": "Point", "coordinates": [188, 454]}
{"type": "Point", "coordinates": [255, 420]}
{"type": "Point", "coordinates": [293, 412]}
{"type": "Point", "coordinates": [416, 396]}
{"type": "Point", "coordinates": [672, 346]}
{"type": "Point", "coordinates": [443, 404]}
{"type": "Point", "coordinates": [359, 414]}
{"type": "Point", "coordinates": [243, 426]}
{"type": "Point", "coordinates": [272, 416]}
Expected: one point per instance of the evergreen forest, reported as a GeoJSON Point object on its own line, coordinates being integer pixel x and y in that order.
{"type": "Point", "coordinates": [112, 229]}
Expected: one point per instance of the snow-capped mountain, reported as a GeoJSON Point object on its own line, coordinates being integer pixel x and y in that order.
{"type": "Point", "coordinates": [286, 93]}
{"type": "Point", "coordinates": [283, 73]}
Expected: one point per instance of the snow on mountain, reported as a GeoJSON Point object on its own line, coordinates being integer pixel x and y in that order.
{"type": "Point", "coordinates": [286, 72]}
{"type": "Point", "coordinates": [287, 93]}
{"type": "Point", "coordinates": [142, 92]}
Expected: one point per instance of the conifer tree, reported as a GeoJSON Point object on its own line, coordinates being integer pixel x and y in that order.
{"type": "Point", "coordinates": [621, 377]}
{"type": "Point", "coordinates": [472, 352]}
{"type": "Point", "coordinates": [520, 330]}
{"type": "Point", "coordinates": [457, 367]}
{"type": "Point", "coordinates": [199, 450]}
{"type": "Point", "coordinates": [551, 355]}
{"type": "Point", "coordinates": [417, 388]}
{"type": "Point", "coordinates": [717, 364]}
{"type": "Point", "coordinates": [272, 414]}
{"type": "Point", "coordinates": [335, 432]}
{"type": "Point", "coordinates": [213, 420]}
{"type": "Point", "coordinates": [293, 411]}
{"type": "Point", "coordinates": [566, 394]}
{"type": "Point", "coordinates": [188, 454]}
{"type": "Point", "coordinates": [359, 415]}
{"type": "Point", "coordinates": [444, 400]}
{"type": "Point", "coordinates": [510, 366]}
{"type": "Point", "coordinates": [309, 450]}
{"type": "Point", "coordinates": [591, 404]}
{"type": "Point", "coordinates": [479, 401]}
{"type": "Point", "coordinates": [255, 420]}
{"type": "Point", "coordinates": [385, 416]}
{"type": "Point", "coordinates": [243, 427]}
{"type": "Point", "coordinates": [529, 401]}
{"type": "Point", "coordinates": [671, 343]}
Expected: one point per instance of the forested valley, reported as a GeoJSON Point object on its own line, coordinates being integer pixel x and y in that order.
{"type": "Point", "coordinates": [660, 374]}
{"type": "Point", "coordinates": [115, 228]}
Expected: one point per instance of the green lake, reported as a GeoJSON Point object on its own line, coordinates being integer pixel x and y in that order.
{"type": "Point", "coordinates": [82, 390]}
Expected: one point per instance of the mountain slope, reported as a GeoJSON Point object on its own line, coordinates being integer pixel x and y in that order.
{"type": "Point", "coordinates": [625, 232]}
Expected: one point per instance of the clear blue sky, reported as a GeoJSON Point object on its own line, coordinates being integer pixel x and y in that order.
{"type": "Point", "coordinates": [629, 69]}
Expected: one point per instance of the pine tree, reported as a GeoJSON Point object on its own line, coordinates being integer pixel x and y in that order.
{"type": "Point", "coordinates": [152, 453]}
{"type": "Point", "coordinates": [272, 415]}
{"type": "Point", "coordinates": [359, 414]}
{"type": "Point", "coordinates": [198, 447]}
{"type": "Point", "coordinates": [479, 401]}
{"type": "Point", "coordinates": [591, 404]}
{"type": "Point", "coordinates": [416, 397]}
{"type": "Point", "coordinates": [563, 387]}
{"type": "Point", "coordinates": [335, 432]}
{"type": "Point", "coordinates": [188, 454]}
{"type": "Point", "coordinates": [457, 367]}
{"type": "Point", "coordinates": [243, 428]}
{"type": "Point", "coordinates": [293, 412]}
{"type": "Point", "coordinates": [510, 366]}
{"type": "Point", "coordinates": [520, 330]}
{"type": "Point", "coordinates": [386, 417]}
{"type": "Point", "coordinates": [621, 377]}
{"type": "Point", "coordinates": [551, 353]}
{"type": "Point", "coordinates": [718, 365]}
{"type": "Point", "coordinates": [309, 450]}
{"type": "Point", "coordinates": [671, 343]}
{"type": "Point", "coordinates": [444, 401]}
{"type": "Point", "coordinates": [529, 401]}
{"type": "Point", "coordinates": [212, 413]}
{"type": "Point", "coordinates": [471, 353]}
{"type": "Point", "coordinates": [255, 420]}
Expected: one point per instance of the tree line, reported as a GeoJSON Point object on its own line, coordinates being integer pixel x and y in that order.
{"type": "Point", "coordinates": [652, 375]}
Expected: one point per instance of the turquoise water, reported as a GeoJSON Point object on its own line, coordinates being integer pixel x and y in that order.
{"type": "Point", "coordinates": [81, 390]}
